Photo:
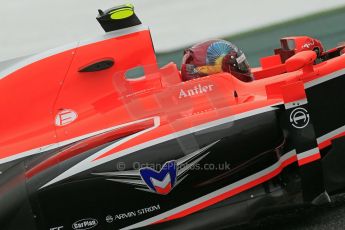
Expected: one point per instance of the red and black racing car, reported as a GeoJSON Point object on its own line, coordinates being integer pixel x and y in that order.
{"type": "Point", "coordinates": [95, 135]}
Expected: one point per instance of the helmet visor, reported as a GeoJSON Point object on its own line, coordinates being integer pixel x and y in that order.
{"type": "Point", "coordinates": [242, 64]}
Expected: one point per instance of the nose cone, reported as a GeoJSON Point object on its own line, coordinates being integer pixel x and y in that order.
{"type": "Point", "coordinates": [15, 208]}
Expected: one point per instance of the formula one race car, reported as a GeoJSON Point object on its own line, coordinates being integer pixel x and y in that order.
{"type": "Point", "coordinates": [94, 135]}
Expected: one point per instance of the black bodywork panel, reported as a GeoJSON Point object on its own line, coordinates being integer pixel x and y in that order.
{"type": "Point", "coordinates": [88, 196]}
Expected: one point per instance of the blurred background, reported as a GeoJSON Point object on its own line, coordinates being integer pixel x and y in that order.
{"type": "Point", "coordinates": [31, 26]}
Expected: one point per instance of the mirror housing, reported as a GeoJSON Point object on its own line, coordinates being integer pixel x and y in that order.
{"type": "Point", "coordinates": [300, 60]}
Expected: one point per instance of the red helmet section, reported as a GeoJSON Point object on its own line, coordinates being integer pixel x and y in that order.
{"type": "Point", "coordinates": [215, 56]}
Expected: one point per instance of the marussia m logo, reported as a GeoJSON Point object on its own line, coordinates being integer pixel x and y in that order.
{"type": "Point", "coordinates": [164, 180]}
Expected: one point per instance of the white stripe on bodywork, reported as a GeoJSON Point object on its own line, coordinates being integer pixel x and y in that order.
{"type": "Point", "coordinates": [34, 58]}
{"type": "Point", "coordinates": [67, 142]}
{"type": "Point", "coordinates": [133, 177]}
{"type": "Point", "coordinates": [75, 169]}
{"type": "Point", "coordinates": [331, 134]}
{"type": "Point", "coordinates": [216, 193]}
{"type": "Point", "coordinates": [129, 181]}
{"type": "Point", "coordinates": [186, 167]}
{"type": "Point", "coordinates": [309, 153]}
{"type": "Point", "coordinates": [294, 104]}
{"type": "Point", "coordinates": [91, 161]}
{"type": "Point", "coordinates": [37, 57]}
{"type": "Point", "coordinates": [163, 183]}
{"type": "Point", "coordinates": [29, 153]}
{"type": "Point", "coordinates": [324, 79]}
{"type": "Point", "coordinates": [180, 162]}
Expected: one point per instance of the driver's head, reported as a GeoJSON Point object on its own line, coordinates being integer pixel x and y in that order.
{"type": "Point", "coordinates": [215, 56]}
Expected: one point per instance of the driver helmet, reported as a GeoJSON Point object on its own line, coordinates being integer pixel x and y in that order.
{"type": "Point", "coordinates": [215, 56]}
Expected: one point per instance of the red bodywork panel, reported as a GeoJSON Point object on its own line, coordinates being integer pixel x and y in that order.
{"type": "Point", "coordinates": [27, 100]}
{"type": "Point", "coordinates": [32, 96]}
{"type": "Point", "coordinates": [293, 45]}
{"type": "Point", "coordinates": [93, 93]}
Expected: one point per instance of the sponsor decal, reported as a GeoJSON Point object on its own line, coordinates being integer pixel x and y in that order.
{"type": "Point", "coordinates": [161, 181]}
{"type": "Point", "coordinates": [299, 118]}
{"type": "Point", "coordinates": [133, 213]}
{"type": "Point", "coordinates": [148, 210]}
{"type": "Point", "coordinates": [197, 90]}
{"type": "Point", "coordinates": [112, 152]}
{"type": "Point", "coordinates": [308, 44]}
{"type": "Point", "coordinates": [85, 224]}
{"type": "Point", "coordinates": [241, 59]}
{"type": "Point", "coordinates": [56, 228]}
{"type": "Point", "coordinates": [109, 219]}
{"type": "Point", "coordinates": [65, 117]}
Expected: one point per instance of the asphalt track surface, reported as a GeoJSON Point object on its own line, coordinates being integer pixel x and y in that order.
{"type": "Point", "coordinates": [329, 27]}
